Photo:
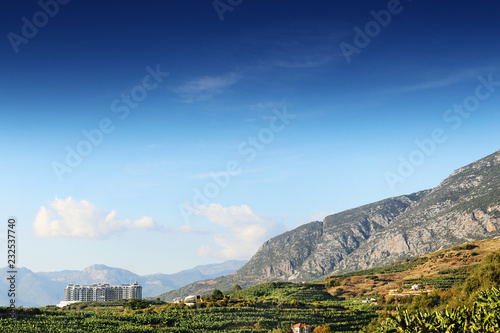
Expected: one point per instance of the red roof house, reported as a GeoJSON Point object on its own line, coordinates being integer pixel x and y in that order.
{"type": "Point", "coordinates": [301, 328]}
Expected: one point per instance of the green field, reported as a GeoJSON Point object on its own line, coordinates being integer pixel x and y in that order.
{"type": "Point", "coordinates": [213, 319]}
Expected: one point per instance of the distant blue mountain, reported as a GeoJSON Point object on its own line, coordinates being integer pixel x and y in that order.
{"type": "Point", "coordinates": [44, 288]}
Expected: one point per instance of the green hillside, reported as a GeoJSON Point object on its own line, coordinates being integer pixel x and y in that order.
{"type": "Point", "coordinates": [302, 292]}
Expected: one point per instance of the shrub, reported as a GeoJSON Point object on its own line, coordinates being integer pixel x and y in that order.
{"type": "Point", "coordinates": [427, 301]}
{"type": "Point", "coordinates": [322, 329]}
{"type": "Point", "coordinates": [483, 277]}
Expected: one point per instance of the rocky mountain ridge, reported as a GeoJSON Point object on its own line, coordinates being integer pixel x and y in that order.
{"type": "Point", "coordinates": [464, 207]}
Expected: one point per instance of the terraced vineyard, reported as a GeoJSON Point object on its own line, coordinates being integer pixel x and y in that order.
{"type": "Point", "coordinates": [303, 292]}
{"type": "Point", "coordinates": [438, 282]}
{"type": "Point", "coordinates": [401, 267]}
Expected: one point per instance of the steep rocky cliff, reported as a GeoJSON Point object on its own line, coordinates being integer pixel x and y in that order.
{"type": "Point", "coordinates": [464, 207]}
{"type": "Point", "coordinates": [314, 249]}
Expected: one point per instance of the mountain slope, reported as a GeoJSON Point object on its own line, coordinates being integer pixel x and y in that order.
{"type": "Point", "coordinates": [314, 249]}
{"type": "Point", "coordinates": [464, 207]}
{"type": "Point", "coordinates": [31, 288]}
{"type": "Point", "coordinates": [441, 269]}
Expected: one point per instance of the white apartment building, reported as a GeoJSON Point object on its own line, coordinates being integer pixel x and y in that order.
{"type": "Point", "coordinates": [102, 292]}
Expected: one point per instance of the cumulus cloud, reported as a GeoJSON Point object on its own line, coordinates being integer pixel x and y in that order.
{"type": "Point", "coordinates": [244, 230]}
{"type": "Point", "coordinates": [82, 219]}
{"type": "Point", "coordinates": [204, 88]}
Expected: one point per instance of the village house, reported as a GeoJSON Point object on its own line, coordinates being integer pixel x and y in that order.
{"type": "Point", "coordinates": [301, 328]}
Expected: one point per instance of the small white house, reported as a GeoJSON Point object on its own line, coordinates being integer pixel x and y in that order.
{"type": "Point", "coordinates": [417, 287]}
{"type": "Point", "coordinates": [369, 300]}
{"type": "Point", "coordinates": [64, 303]}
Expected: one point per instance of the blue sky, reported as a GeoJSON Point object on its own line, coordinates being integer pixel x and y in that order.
{"type": "Point", "coordinates": [206, 137]}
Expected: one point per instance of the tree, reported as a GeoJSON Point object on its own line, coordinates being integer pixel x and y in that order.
{"type": "Point", "coordinates": [217, 294]}
{"type": "Point", "coordinates": [237, 287]}
{"type": "Point", "coordinates": [322, 329]}
{"type": "Point", "coordinates": [135, 304]}
{"type": "Point", "coordinates": [427, 301]}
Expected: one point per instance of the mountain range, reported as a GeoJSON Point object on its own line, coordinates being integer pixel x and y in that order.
{"type": "Point", "coordinates": [464, 207]}
{"type": "Point", "coordinates": [44, 288]}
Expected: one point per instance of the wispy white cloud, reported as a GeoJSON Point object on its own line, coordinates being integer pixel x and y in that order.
{"type": "Point", "coordinates": [153, 146]}
{"type": "Point", "coordinates": [204, 88]}
{"type": "Point", "coordinates": [244, 230]}
{"type": "Point", "coordinates": [313, 44]}
{"type": "Point", "coordinates": [441, 82]}
{"type": "Point", "coordinates": [82, 219]}
{"type": "Point", "coordinates": [305, 62]}
{"type": "Point", "coordinates": [269, 105]}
